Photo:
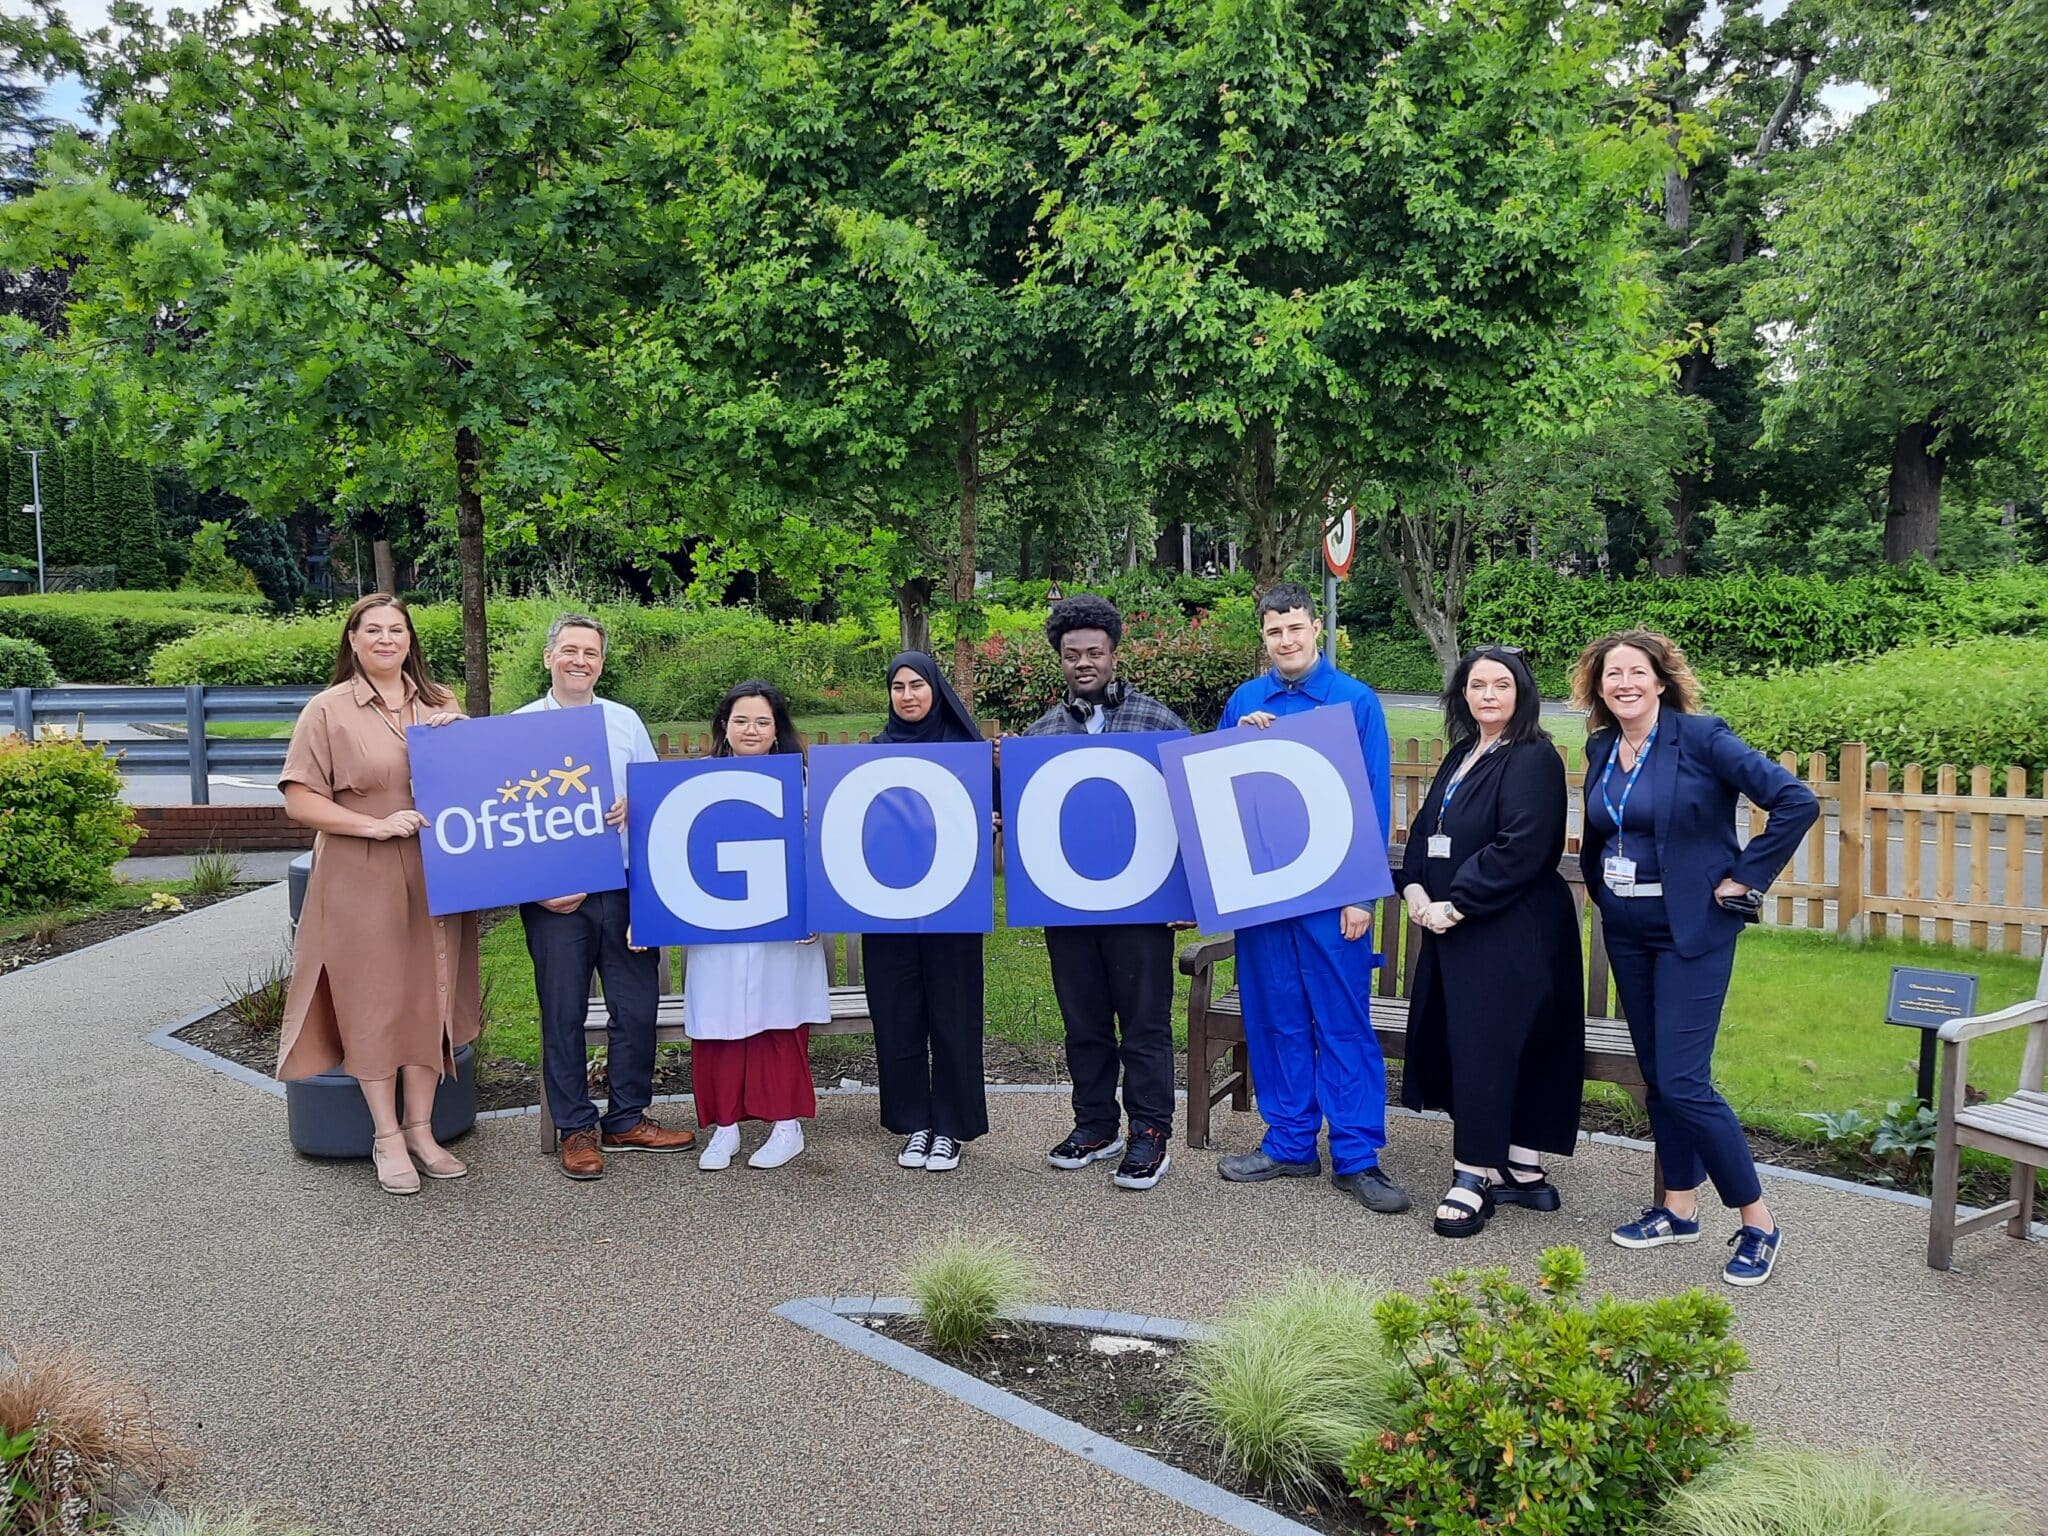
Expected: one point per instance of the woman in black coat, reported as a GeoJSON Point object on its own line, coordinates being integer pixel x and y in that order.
{"type": "Point", "coordinates": [1496, 1023]}
{"type": "Point", "coordinates": [925, 989]}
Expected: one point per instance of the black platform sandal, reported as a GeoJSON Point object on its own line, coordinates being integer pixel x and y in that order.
{"type": "Point", "coordinates": [1473, 1224]}
{"type": "Point", "coordinates": [1537, 1194]}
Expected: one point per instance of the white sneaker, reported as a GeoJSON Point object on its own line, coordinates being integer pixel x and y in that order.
{"type": "Point", "coordinates": [783, 1143]}
{"type": "Point", "coordinates": [719, 1149]}
{"type": "Point", "coordinates": [944, 1156]}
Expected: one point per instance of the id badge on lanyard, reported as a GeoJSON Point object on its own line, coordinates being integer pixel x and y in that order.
{"type": "Point", "coordinates": [1439, 846]}
{"type": "Point", "coordinates": [1617, 869]}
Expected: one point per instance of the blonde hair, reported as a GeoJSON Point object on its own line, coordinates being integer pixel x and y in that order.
{"type": "Point", "coordinates": [1667, 660]}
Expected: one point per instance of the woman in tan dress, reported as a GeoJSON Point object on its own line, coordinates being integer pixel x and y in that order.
{"type": "Point", "coordinates": [379, 988]}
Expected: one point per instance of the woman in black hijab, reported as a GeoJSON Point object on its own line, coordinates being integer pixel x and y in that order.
{"type": "Point", "coordinates": [925, 989]}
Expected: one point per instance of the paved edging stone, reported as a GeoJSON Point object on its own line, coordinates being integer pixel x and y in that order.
{"type": "Point", "coordinates": [835, 1318]}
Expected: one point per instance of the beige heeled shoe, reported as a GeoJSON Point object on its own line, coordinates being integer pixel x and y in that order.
{"type": "Point", "coordinates": [439, 1163]}
{"type": "Point", "coordinates": [396, 1174]}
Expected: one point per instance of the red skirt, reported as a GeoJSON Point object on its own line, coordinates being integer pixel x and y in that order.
{"type": "Point", "coordinates": [763, 1077]}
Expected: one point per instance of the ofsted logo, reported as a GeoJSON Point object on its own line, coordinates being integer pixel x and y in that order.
{"type": "Point", "coordinates": [529, 822]}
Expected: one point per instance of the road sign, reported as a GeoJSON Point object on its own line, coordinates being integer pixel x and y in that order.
{"type": "Point", "coordinates": [1340, 541]}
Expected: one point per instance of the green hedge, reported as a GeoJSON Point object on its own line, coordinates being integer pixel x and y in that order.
{"type": "Point", "coordinates": [667, 663]}
{"type": "Point", "coordinates": [62, 824]}
{"type": "Point", "coordinates": [1192, 670]}
{"type": "Point", "coordinates": [109, 637]}
{"type": "Point", "coordinates": [1749, 624]}
{"type": "Point", "coordinates": [24, 664]}
{"type": "Point", "coordinates": [1929, 704]}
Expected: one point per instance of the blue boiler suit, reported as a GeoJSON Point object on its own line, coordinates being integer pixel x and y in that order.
{"type": "Point", "coordinates": [1306, 990]}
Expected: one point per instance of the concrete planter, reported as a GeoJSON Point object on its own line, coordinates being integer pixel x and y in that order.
{"type": "Point", "coordinates": [328, 1118]}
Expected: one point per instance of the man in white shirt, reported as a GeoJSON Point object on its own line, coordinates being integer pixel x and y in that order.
{"type": "Point", "coordinates": [569, 937]}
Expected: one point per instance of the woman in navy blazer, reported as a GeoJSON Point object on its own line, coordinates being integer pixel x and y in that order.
{"type": "Point", "coordinates": [1664, 866]}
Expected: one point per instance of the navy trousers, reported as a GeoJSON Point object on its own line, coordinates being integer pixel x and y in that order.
{"type": "Point", "coordinates": [566, 947]}
{"type": "Point", "coordinates": [1307, 993]}
{"type": "Point", "coordinates": [1674, 1012]}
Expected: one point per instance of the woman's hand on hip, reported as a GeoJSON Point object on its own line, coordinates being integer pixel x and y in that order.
{"type": "Point", "coordinates": [1730, 887]}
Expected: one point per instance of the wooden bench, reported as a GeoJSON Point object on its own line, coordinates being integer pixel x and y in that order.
{"type": "Point", "coordinates": [849, 1013]}
{"type": "Point", "coordinates": [2014, 1128]}
{"type": "Point", "coordinates": [1216, 1018]}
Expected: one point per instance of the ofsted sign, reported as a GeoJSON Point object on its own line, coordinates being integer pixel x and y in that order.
{"type": "Point", "coordinates": [498, 834]}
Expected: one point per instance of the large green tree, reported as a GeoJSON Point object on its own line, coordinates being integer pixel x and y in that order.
{"type": "Point", "coordinates": [1910, 274]}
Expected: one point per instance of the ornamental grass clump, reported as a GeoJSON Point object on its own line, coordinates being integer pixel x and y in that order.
{"type": "Point", "coordinates": [965, 1284]}
{"type": "Point", "coordinates": [196, 1522]}
{"type": "Point", "coordinates": [1532, 1412]}
{"type": "Point", "coordinates": [1781, 1491]}
{"type": "Point", "coordinates": [1291, 1381]}
{"type": "Point", "coordinates": [76, 1444]}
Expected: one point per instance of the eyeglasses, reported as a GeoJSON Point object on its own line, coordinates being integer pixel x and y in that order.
{"type": "Point", "coordinates": [1500, 650]}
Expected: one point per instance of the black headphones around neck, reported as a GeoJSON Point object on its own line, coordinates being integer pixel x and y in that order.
{"type": "Point", "coordinates": [1112, 696]}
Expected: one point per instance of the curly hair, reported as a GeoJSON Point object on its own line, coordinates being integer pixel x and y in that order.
{"type": "Point", "coordinates": [1084, 610]}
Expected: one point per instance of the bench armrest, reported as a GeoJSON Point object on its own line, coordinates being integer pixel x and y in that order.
{"type": "Point", "coordinates": [1203, 957]}
{"type": "Point", "coordinates": [2033, 1011]}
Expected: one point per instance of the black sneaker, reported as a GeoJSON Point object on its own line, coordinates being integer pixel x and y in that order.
{"type": "Point", "coordinates": [1146, 1162]}
{"type": "Point", "coordinates": [1373, 1190]}
{"type": "Point", "coordinates": [1080, 1149]}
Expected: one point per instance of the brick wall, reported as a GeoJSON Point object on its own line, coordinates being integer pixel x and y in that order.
{"type": "Point", "coordinates": [230, 828]}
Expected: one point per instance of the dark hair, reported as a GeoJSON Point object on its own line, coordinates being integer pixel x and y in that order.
{"type": "Point", "coordinates": [1525, 724]}
{"type": "Point", "coordinates": [1084, 610]}
{"type": "Point", "coordinates": [1681, 689]}
{"type": "Point", "coordinates": [1285, 598]}
{"type": "Point", "coordinates": [786, 737]}
{"type": "Point", "coordinates": [347, 669]}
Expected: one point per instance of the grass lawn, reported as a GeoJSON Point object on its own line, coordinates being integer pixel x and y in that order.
{"type": "Point", "coordinates": [1804, 1029]}
{"type": "Point", "coordinates": [120, 898]}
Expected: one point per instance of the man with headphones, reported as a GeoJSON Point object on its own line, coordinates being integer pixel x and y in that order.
{"type": "Point", "coordinates": [1119, 974]}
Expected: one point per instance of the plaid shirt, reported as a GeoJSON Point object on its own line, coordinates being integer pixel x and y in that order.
{"type": "Point", "coordinates": [1134, 712]}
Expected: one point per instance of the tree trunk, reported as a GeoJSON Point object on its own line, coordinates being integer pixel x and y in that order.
{"type": "Point", "coordinates": [1912, 518]}
{"type": "Point", "coordinates": [1262, 518]}
{"type": "Point", "coordinates": [469, 556]}
{"type": "Point", "coordinates": [1024, 551]}
{"type": "Point", "coordinates": [1675, 558]}
{"type": "Point", "coordinates": [967, 464]}
{"type": "Point", "coordinates": [914, 614]}
{"type": "Point", "coordinates": [1430, 556]}
{"type": "Point", "coordinates": [387, 571]}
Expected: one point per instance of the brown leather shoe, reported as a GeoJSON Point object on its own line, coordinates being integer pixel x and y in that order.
{"type": "Point", "coordinates": [649, 1136]}
{"type": "Point", "coordinates": [580, 1156]}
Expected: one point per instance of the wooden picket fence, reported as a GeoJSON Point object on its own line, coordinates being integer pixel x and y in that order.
{"type": "Point", "coordinates": [1967, 868]}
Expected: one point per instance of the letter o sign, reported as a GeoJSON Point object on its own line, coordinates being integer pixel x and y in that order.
{"type": "Point", "coordinates": [954, 856]}
{"type": "Point", "coordinates": [1036, 840]}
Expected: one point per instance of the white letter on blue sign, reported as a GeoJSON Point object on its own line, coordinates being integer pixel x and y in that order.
{"type": "Point", "coordinates": [1037, 832]}
{"type": "Point", "coordinates": [1213, 797]}
{"type": "Point", "coordinates": [846, 865]}
{"type": "Point", "coordinates": [761, 860]}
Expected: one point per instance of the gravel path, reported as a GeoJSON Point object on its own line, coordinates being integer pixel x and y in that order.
{"type": "Point", "coordinates": [516, 1353]}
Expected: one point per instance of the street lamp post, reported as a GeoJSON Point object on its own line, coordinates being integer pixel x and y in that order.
{"type": "Point", "coordinates": [35, 506]}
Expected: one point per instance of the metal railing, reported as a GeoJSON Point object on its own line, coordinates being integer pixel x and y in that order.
{"type": "Point", "coordinates": [195, 754]}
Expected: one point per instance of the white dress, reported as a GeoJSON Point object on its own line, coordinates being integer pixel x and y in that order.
{"type": "Point", "coordinates": [733, 991]}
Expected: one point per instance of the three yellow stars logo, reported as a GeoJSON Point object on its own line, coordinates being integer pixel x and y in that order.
{"type": "Point", "coordinates": [562, 782]}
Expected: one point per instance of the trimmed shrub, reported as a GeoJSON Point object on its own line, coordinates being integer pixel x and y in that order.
{"type": "Point", "coordinates": [1291, 1381]}
{"type": "Point", "coordinates": [62, 824]}
{"type": "Point", "coordinates": [965, 1284]}
{"type": "Point", "coordinates": [258, 651]}
{"type": "Point", "coordinates": [108, 637]}
{"type": "Point", "coordinates": [1927, 704]}
{"type": "Point", "coordinates": [24, 664]}
{"type": "Point", "coordinates": [1790, 1492]}
{"type": "Point", "coordinates": [1401, 663]}
{"type": "Point", "coordinates": [1749, 623]}
{"type": "Point", "coordinates": [1535, 1412]}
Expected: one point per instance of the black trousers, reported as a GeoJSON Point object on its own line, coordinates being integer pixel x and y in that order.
{"type": "Point", "coordinates": [566, 947]}
{"type": "Point", "coordinates": [1117, 975]}
{"type": "Point", "coordinates": [925, 995]}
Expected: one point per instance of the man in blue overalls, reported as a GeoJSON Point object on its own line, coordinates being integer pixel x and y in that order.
{"type": "Point", "coordinates": [1306, 982]}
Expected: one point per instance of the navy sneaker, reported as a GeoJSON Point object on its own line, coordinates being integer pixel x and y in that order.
{"type": "Point", "coordinates": [1080, 1149]}
{"type": "Point", "coordinates": [1654, 1228]}
{"type": "Point", "coordinates": [1756, 1255]}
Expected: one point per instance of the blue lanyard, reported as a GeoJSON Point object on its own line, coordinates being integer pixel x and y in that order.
{"type": "Point", "coordinates": [1444, 806]}
{"type": "Point", "coordinates": [1617, 811]}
